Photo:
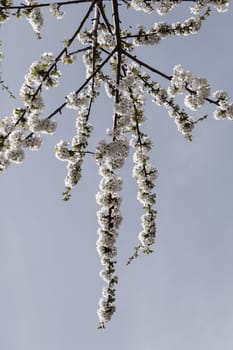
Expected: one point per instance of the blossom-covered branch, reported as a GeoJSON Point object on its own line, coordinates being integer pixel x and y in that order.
{"type": "Point", "coordinates": [114, 70]}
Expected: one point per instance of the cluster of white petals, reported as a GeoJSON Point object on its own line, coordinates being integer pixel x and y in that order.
{"type": "Point", "coordinates": [182, 81]}
{"type": "Point", "coordinates": [77, 101]}
{"type": "Point", "coordinates": [161, 30]}
{"type": "Point", "coordinates": [55, 11]}
{"type": "Point", "coordinates": [4, 13]}
{"type": "Point", "coordinates": [141, 5]}
{"type": "Point", "coordinates": [220, 5]}
{"type": "Point", "coordinates": [107, 59]}
{"type": "Point", "coordinates": [109, 218]}
{"type": "Point", "coordinates": [74, 153]}
{"type": "Point", "coordinates": [79, 145]}
{"type": "Point", "coordinates": [115, 151]}
{"type": "Point", "coordinates": [13, 129]}
{"type": "Point", "coordinates": [225, 106]}
{"type": "Point", "coordinates": [88, 61]}
{"type": "Point", "coordinates": [184, 122]}
{"type": "Point", "coordinates": [33, 142]}
{"type": "Point", "coordinates": [106, 39]}
{"type": "Point", "coordinates": [68, 59]}
{"type": "Point", "coordinates": [41, 73]}
{"type": "Point", "coordinates": [148, 6]}
{"type": "Point", "coordinates": [131, 105]}
{"type": "Point", "coordinates": [145, 175]}
{"type": "Point", "coordinates": [36, 124]}
{"type": "Point", "coordinates": [13, 149]}
{"type": "Point", "coordinates": [161, 97]}
{"type": "Point", "coordinates": [110, 157]}
{"type": "Point", "coordinates": [164, 6]}
{"type": "Point", "coordinates": [85, 37]}
{"type": "Point", "coordinates": [35, 17]}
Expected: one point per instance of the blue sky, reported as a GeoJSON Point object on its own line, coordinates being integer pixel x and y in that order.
{"type": "Point", "coordinates": [180, 297]}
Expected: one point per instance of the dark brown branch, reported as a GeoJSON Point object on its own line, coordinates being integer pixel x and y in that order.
{"type": "Point", "coordinates": [207, 99]}
{"type": "Point", "coordinates": [94, 44]}
{"type": "Point", "coordinates": [47, 4]}
{"type": "Point", "coordinates": [59, 3]}
{"type": "Point", "coordinates": [152, 69]}
{"type": "Point", "coordinates": [105, 19]}
{"type": "Point", "coordinates": [80, 50]}
{"type": "Point", "coordinates": [119, 53]}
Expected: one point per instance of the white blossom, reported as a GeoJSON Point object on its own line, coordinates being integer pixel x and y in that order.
{"type": "Point", "coordinates": [35, 17]}
{"type": "Point", "coordinates": [73, 173]}
{"type": "Point", "coordinates": [15, 155]}
{"type": "Point", "coordinates": [77, 101]}
{"type": "Point", "coordinates": [4, 162]}
{"type": "Point", "coordinates": [7, 125]}
{"type": "Point", "coordinates": [33, 142]}
{"type": "Point", "coordinates": [55, 11]}
{"type": "Point", "coordinates": [62, 151]}
{"type": "Point", "coordinates": [141, 5]}
{"type": "Point", "coordinates": [46, 125]}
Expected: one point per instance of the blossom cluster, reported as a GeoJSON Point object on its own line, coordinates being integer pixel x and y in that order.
{"type": "Point", "coordinates": [109, 219]}
{"type": "Point", "coordinates": [75, 153]}
{"type": "Point", "coordinates": [41, 73]}
{"type": "Point", "coordinates": [77, 101]}
{"type": "Point", "coordinates": [126, 85]}
{"type": "Point", "coordinates": [13, 139]}
{"type": "Point", "coordinates": [164, 6]}
{"type": "Point", "coordinates": [4, 13]}
{"type": "Point", "coordinates": [145, 175]}
{"type": "Point", "coordinates": [225, 106]}
{"type": "Point", "coordinates": [148, 6]}
{"type": "Point", "coordinates": [161, 30]}
{"type": "Point", "coordinates": [161, 97]}
{"type": "Point", "coordinates": [110, 157]}
{"type": "Point", "coordinates": [106, 39]}
{"type": "Point", "coordinates": [13, 149]}
{"type": "Point", "coordinates": [143, 172]}
{"type": "Point", "coordinates": [199, 91]}
{"type": "Point", "coordinates": [220, 5]}
{"type": "Point", "coordinates": [183, 80]}
{"type": "Point", "coordinates": [34, 17]}
{"type": "Point", "coordinates": [55, 11]}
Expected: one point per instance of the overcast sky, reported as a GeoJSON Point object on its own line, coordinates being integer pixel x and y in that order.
{"type": "Point", "coordinates": [179, 297]}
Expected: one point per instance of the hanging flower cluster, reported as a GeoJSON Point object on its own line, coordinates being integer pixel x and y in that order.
{"type": "Point", "coordinates": [34, 17]}
{"type": "Point", "coordinates": [145, 175]}
{"type": "Point", "coordinates": [110, 62]}
{"type": "Point", "coordinates": [109, 218]}
{"type": "Point", "coordinates": [75, 153]}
